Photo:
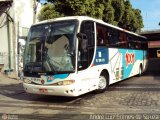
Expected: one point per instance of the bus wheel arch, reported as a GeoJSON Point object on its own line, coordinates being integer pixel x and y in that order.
{"type": "Point", "coordinates": [103, 81]}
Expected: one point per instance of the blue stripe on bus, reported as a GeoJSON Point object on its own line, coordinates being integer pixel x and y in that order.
{"type": "Point", "coordinates": [102, 56]}
{"type": "Point", "coordinates": [61, 76]}
{"type": "Point", "coordinates": [58, 76]}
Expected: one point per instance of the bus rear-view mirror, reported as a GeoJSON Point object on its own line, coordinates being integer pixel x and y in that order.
{"type": "Point", "coordinates": [81, 36]}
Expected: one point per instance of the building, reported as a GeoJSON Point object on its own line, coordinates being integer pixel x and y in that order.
{"type": "Point", "coordinates": [16, 17]}
{"type": "Point", "coordinates": [153, 43]}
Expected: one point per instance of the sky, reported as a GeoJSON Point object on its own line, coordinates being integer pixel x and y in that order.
{"type": "Point", "coordinates": [150, 11]}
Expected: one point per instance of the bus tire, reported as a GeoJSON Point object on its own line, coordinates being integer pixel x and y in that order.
{"type": "Point", "coordinates": [103, 82]}
{"type": "Point", "coordinates": [140, 70]}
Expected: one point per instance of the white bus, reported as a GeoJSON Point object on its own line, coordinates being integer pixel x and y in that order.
{"type": "Point", "coordinates": [71, 56]}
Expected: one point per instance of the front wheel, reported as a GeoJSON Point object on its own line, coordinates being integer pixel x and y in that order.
{"type": "Point", "coordinates": [103, 83]}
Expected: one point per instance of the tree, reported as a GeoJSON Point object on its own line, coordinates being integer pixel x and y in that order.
{"type": "Point", "coordinates": [116, 12]}
{"type": "Point", "coordinates": [91, 8]}
{"type": "Point", "coordinates": [108, 13]}
{"type": "Point", "coordinates": [127, 16]}
{"type": "Point", "coordinates": [48, 12]}
{"type": "Point", "coordinates": [119, 9]}
{"type": "Point", "coordinates": [98, 9]}
{"type": "Point", "coordinates": [139, 20]}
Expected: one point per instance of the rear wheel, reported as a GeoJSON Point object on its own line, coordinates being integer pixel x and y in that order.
{"type": "Point", "coordinates": [140, 70]}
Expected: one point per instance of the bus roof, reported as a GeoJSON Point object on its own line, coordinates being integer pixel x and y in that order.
{"type": "Point", "coordinates": [81, 18]}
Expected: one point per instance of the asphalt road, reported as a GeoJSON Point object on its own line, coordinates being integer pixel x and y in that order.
{"type": "Point", "coordinates": [136, 98]}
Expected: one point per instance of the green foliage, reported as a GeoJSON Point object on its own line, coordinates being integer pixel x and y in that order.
{"type": "Point", "coordinates": [117, 12]}
{"type": "Point", "coordinates": [108, 13]}
{"type": "Point", "coordinates": [48, 12]}
{"type": "Point", "coordinates": [127, 16]}
{"type": "Point", "coordinates": [139, 20]}
{"type": "Point", "coordinates": [119, 8]}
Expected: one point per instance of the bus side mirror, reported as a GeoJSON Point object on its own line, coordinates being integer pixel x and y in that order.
{"type": "Point", "coordinates": [81, 36]}
{"type": "Point", "coordinates": [82, 42]}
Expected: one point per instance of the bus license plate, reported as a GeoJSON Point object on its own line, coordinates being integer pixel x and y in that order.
{"type": "Point", "coordinates": [43, 90]}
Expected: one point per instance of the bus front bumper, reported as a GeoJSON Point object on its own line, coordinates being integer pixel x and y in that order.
{"type": "Point", "coordinates": [68, 90]}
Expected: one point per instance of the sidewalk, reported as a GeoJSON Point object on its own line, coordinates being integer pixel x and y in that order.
{"type": "Point", "coordinates": [9, 79]}
{"type": "Point", "coordinates": [10, 86]}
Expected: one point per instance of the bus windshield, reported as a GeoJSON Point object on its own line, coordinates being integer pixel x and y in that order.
{"type": "Point", "coordinates": [50, 48]}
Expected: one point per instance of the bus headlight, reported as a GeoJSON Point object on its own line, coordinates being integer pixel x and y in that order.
{"type": "Point", "coordinates": [66, 82]}
{"type": "Point", "coordinates": [27, 81]}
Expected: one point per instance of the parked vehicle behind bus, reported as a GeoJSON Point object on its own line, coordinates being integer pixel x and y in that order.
{"type": "Point", "coordinates": [71, 56]}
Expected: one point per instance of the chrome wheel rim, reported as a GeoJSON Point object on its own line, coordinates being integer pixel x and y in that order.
{"type": "Point", "coordinates": [140, 71]}
{"type": "Point", "coordinates": [102, 82]}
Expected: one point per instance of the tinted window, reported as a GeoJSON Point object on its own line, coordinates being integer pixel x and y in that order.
{"type": "Point", "coordinates": [113, 37]}
{"type": "Point", "coordinates": [101, 34]}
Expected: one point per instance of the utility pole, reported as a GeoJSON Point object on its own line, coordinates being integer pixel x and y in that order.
{"type": "Point", "coordinates": [9, 42]}
{"type": "Point", "coordinates": [34, 11]}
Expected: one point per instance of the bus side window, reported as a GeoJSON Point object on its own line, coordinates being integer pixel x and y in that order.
{"type": "Point", "coordinates": [109, 36]}
{"type": "Point", "coordinates": [131, 43]}
{"type": "Point", "coordinates": [144, 44]}
{"type": "Point", "coordinates": [123, 40]}
{"type": "Point", "coordinates": [101, 32]}
{"type": "Point", "coordinates": [138, 45]}
{"type": "Point", "coordinates": [113, 37]}
{"type": "Point", "coordinates": [100, 38]}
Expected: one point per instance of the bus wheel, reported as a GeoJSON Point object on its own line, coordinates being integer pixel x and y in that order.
{"type": "Point", "coordinates": [140, 70]}
{"type": "Point", "coordinates": [103, 83]}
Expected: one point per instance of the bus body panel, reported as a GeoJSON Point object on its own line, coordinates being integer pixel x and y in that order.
{"type": "Point", "coordinates": [84, 82]}
{"type": "Point", "coordinates": [122, 63]}
{"type": "Point", "coordinates": [87, 80]}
